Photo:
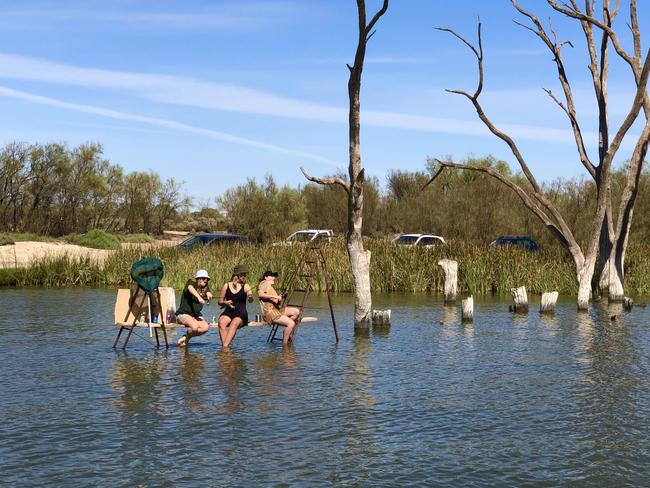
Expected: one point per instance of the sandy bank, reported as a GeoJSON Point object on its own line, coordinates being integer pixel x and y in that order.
{"type": "Point", "coordinates": [24, 253]}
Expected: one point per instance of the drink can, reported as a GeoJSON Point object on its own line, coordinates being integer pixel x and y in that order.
{"type": "Point", "coordinates": [214, 319]}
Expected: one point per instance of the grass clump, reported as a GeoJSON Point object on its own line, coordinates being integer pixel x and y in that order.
{"type": "Point", "coordinates": [137, 239]}
{"type": "Point", "coordinates": [13, 237]}
{"type": "Point", "coordinates": [9, 277]}
{"type": "Point", "coordinates": [97, 239]}
{"type": "Point", "coordinates": [6, 239]}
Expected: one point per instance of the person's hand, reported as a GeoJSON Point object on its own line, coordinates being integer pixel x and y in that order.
{"type": "Point", "coordinates": [209, 295]}
{"type": "Point", "coordinates": [230, 303]}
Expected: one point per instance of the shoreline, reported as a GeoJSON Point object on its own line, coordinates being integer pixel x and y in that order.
{"type": "Point", "coordinates": [24, 253]}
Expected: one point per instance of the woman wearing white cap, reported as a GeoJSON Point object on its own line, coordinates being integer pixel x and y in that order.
{"type": "Point", "coordinates": [195, 294]}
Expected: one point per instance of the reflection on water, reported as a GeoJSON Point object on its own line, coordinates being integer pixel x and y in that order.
{"type": "Point", "coordinates": [231, 377]}
{"type": "Point", "coordinates": [608, 398]}
{"type": "Point", "coordinates": [136, 380]}
{"type": "Point", "coordinates": [449, 314]}
{"type": "Point", "coordinates": [510, 399]}
{"type": "Point", "coordinates": [193, 392]}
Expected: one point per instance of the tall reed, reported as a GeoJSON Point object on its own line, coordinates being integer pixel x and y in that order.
{"type": "Point", "coordinates": [393, 268]}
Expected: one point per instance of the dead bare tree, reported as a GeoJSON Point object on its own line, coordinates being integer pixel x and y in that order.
{"type": "Point", "coordinates": [532, 196]}
{"type": "Point", "coordinates": [614, 234]}
{"type": "Point", "coordinates": [358, 255]}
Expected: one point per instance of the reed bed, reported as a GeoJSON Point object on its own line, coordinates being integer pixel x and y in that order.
{"type": "Point", "coordinates": [482, 269]}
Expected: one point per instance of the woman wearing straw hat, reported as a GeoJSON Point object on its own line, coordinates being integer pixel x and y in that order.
{"type": "Point", "coordinates": [195, 294]}
{"type": "Point", "coordinates": [233, 297]}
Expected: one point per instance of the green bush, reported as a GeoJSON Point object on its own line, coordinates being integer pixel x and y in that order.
{"type": "Point", "coordinates": [97, 239]}
{"type": "Point", "coordinates": [6, 239]}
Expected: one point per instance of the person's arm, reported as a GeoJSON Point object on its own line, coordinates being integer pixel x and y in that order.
{"type": "Point", "coordinates": [195, 293]}
{"type": "Point", "coordinates": [222, 298]}
{"type": "Point", "coordinates": [267, 296]}
{"type": "Point", "coordinates": [249, 293]}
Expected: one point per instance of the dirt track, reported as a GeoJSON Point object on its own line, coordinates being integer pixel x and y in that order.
{"type": "Point", "coordinates": [24, 253]}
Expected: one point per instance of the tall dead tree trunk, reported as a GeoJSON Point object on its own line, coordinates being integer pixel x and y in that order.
{"type": "Point", "coordinates": [533, 197]}
{"type": "Point", "coordinates": [358, 255]}
{"type": "Point", "coordinates": [614, 234]}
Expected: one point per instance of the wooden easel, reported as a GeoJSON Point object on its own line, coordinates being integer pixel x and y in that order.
{"type": "Point", "coordinates": [302, 283]}
{"type": "Point", "coordinates": [131, 319]}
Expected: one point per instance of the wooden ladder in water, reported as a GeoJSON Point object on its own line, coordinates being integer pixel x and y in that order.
{"type": "Point", "coordinates": [303, 282]}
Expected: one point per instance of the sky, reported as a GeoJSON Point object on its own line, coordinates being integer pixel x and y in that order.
{"type": "Point", "coordinates": [214, 92]}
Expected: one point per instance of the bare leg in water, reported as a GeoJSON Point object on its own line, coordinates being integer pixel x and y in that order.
{"type": "Point", "coordinates": [195, 327]}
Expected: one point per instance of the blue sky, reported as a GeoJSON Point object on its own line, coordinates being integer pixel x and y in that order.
{"type": "Point", "coordinates": [214, 92]}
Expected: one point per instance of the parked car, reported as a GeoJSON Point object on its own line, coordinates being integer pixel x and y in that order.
{"type": "Point", "coordinates": [521, 241]}
{"type": "Point", "coordinates": [213, 239]}
{"type": "Point", "coordinates": [307, 235]}
{"type": "Point", "coordinates": [420, 240]}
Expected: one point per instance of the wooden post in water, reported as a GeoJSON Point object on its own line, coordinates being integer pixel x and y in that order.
{"type": "Point", "coordinates": [467, 309]}
{"type": "Point", "coordinates": [450, 267]}
{"type": "Point", "coordinates": [628, 303]}
{"type": "Point", "coordinates": [521, 299]}
{"type": "Point", "coordinates": [381, 317]}
{"type": "Point", "coordinates": [549, 298]}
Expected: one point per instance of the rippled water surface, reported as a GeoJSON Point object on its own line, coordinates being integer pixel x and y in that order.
{"type": "Point", "coordinates": [509, 401]}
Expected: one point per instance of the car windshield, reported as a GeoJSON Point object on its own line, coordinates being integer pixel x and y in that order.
{"type": "Point", "coordinates": [406, 240]}
{"type": "Point", "coordinates": [214, 239]}
{"type": "Point", "coordinates": [191, 241]}
{"type": "Point", "coordinates": [302, 236]}
{"type": "Point", "coordinates": [427, 241]}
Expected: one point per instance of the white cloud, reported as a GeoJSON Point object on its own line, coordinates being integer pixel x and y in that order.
{"type": "Point", "coordinates": [221, 96]}
{"type": "Point", "coordinates": [235, 16]}
{"type": "Point", "coordinates": [160, 122]}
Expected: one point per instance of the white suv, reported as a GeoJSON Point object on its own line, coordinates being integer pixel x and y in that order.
{"type": "Point", "coordinates": [420, 240]}
{"type": "Point", "coordinates": [307, 235]}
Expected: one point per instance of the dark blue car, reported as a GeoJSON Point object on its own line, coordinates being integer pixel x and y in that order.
{"type": "Point", "coordinates": [521, 241]}
{"type": "Point", "coordinates": [213, 239]}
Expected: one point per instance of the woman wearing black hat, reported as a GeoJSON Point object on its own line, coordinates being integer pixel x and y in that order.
{"type": "Point", "coordinates": [271, 311]}
{"type": "Point", "coordinates": [234, 295]}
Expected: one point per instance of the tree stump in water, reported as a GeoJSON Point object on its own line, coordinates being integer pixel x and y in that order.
{"type": "Point", "coordinates": [520, 298]}
{"type": "Point", "coordinates": [549, 298]}
{"type": "Point", "coordinates": [381, 317]}
{"type": "Point", "coordinates": [467, 309]}
{"type": "Point", "coordinates": [450, 267]}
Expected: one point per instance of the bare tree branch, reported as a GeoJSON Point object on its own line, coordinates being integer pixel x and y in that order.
{"type": "Point", "coordinates": [326, 181]}
{"type": "Point", "coordinates": [639, 99]}
{"type": "Point", "coordinates": [376, 17]}
{"type": "Point", "coordinates": [575, 13]}
{"type": "Point", "coordinates": [570, 109]}
{"type": "Point", "coordinates": [481, 114]}
{"type": "Point", "coordinates": [530, 201]}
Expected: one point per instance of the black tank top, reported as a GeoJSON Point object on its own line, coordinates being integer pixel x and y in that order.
{"type": "Point", "coordinates": [239, 302]}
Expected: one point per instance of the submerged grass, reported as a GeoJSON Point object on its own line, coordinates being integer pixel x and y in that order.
{"type": "Point", "coordinates": [393, 268]}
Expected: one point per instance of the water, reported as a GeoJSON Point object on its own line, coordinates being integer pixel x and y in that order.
{"type": "Point", "coordinates": [509, 401]}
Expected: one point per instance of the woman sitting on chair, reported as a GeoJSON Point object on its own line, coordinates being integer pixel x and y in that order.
{"type": "Point", "coordinates": [195, 294]}
{"type": "Point", "coordinates": [233, 298]}
{"type": "Point", "coordinates": [271, 310]}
